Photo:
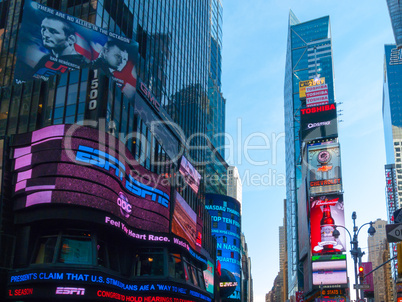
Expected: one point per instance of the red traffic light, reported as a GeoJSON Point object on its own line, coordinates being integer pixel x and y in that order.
{"type": "Point", "coordinates": [361, 271]}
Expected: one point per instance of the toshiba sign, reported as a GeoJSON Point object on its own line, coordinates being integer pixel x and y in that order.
{"type": "Point", "coordinates": [318, 122]}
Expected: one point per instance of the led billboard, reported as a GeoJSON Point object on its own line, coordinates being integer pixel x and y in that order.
{"type": "Point", "coordinates": [51, 42]}
{"type": "Point", "coordinates": [184, 223]}
{"type": "Point", "coordinates": [190, 174]}
{"type": "Point", "coordinates": [326, 212]}
{"type": "Point", "coordinates": [77, 165]}
{"type": "Point", "coordinates": [329, 271]}
{"type": "Point", "coordinates": [317, 95]}
{"type": "Point", "coordinates": [324, 166]}
{"type": "Point", "coordinates": [225, 216]}
{"type": "Point", "coordinates": [318, 122]}
{"type": "Point", "coordinates": [308, 83]}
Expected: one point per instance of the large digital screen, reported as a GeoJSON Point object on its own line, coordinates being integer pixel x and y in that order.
{"type": "Point", "coordinates": [225, 216]}
{"type": "Point", "coordinates": [184, 223]}
{"type": "Point", "coordinates": [190, 174]}
{"type": "Point", "coordinates": [51, 42]}
{"type": "Point", "coordinates": [329, 270]}
{"type": "Point", "coordinates": [327, 212]}
{"type": "Point", "coordinates": [209, 277]}
{"type": "Point", "coordinates": [94, 285]}
{"type": "Point", "coordinates": [77, 165]}
{"type": "Point", "coordinates": [318, 122]}
{"type": "Point", "coordinates": [308, 83]}
{"type": "Point", "coordinates": [324, 166]}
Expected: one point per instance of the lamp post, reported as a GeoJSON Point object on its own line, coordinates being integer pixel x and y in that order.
{"type": "Point", "coordinates": [355, 251]}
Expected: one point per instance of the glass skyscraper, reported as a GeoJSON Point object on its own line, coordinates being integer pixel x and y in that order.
{"type": "Point", "coordinates": [178, 73]}
{"type": "Point", "coordinates": [308, 56]}
{"type": "Point", "coordinates": [395, 12]}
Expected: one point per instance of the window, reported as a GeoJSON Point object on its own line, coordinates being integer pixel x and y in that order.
{"type": "Point", "coordinates": [69, 247]}
{"type": "Point", "coordinates": [219, 252]}
{"type": "Point", "coordinates": [219, 213]}
{"type": "Point", "coordinates": [176, 269]}
{"type": "Point", "coordinates": [225, 239]}
{"type": "Point", "coordinates": [149, 262]}
{"type": "Point", "coordinates": [231, 254]}
{"type": "Point", "coordinates": [234, 242]}
{"type": "Point", "coordinates": [215, 224]}
{"type": "Point", "coordinates": [228, 226]}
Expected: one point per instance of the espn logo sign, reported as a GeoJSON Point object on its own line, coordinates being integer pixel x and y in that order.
{"type": "Point", "coordinates": [70, 291]}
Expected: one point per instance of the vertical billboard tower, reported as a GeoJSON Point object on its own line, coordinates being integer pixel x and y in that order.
{"type": "Point", "coordinates": [226, 227]}
{"type": "Point", "coordinates": [392, 112]}
{"type": "Point", "coordinates": [313, 181]}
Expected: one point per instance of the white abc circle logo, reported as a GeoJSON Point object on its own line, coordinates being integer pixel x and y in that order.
{"type": "Point", "coordinates": [125, 206]}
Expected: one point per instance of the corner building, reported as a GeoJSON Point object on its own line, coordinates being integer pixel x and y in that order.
{"type": "Point", "coordinates": [92, 205]}
{"type": "Point", "coordinates": [308, 56]}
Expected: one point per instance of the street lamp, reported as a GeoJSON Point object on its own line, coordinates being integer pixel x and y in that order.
{"type": "Point", "coordinates": [355, 251]}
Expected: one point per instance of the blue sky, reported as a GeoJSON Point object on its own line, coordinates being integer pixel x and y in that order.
{"type": "Point", "coordinates": [254, 49]}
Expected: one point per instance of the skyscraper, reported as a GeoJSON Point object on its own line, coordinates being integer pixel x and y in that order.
{"type": "Point", "coordinates": [395, 12]}
{"type": "Point", "coordinates": [234, 184]}
{"type": "Point", "coordinates": [108, 201]}
{"type": "Point", "coordinates": [308, 57]}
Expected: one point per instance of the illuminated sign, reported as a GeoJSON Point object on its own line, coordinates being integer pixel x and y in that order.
{"type": "Point", "coordinates": [41, 53]}
{"type": "Point", "coordinates": [311, 82]}
{"type": "Point", "coordinates": [190, 174]}
{"type": "Point", "coordinates": [70, 291]}
{"type": "Point", "coordinates": [324, 168]}
{"type": "Point", "coordinates": [184, 223]}
{"type": "Point", "coordinates": [209, 277]}
{"type": "Point", "coordinates": [113, 288]}
{"type": "Point", "coordinates": [317, 95]}
{"type": "Point", "coordinates": [227, 284]}
{"type": "Point", "coordinates": [17, 292]}
{"type": "Point", "coordinates": [318, 122]}
{"type": "Point", "coordinates": [326, 211]}
{"type": "Point", "coordinates": [225, 215]}
{"type": "Point", "coordinates": [70, 164]}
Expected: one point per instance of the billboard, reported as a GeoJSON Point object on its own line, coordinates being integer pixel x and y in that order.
{"type": "Point", "coordinates": [51, 42]}
{"type": "Point", "coordinates": [318, 122]}
{"type": "Point", "coordinates": [76, 165]}
{"type": "Point", "coordinates": [184, 223]}
{"type": "Point", "coordinates": [326, 212]}
{"type": "Point", "coordinates": [190, 174]}
{"type": "Point", "coordinates": [209, 277]}
{"type": "Point", "coordinates": [225, 216]}
{"type": "Point", "coordinates": [324, 165]}
{"type": "Point", "coordinates": [317, 95]}
{"type": "Point", "coordinates": [329, 271]}
{"type": "Point", "coordinates": [311, 82]}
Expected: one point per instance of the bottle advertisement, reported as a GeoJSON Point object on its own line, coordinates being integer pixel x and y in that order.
{"type": "Point", "coordinates": [326, 214]}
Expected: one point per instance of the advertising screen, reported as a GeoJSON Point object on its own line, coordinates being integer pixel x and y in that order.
{"type": "Point", "coordinates": [308, 83]}
{"type": "Point", "coordinates": [317, 95]}
{"type": "Point", "coordinates": [324, 165]}
{"type": "Point", "coordinates": [326, 212]}
{"type": "Point", "coordinates": [329, 271]}
{"type": "Point", "coordinates": [51, 42]}
{"type": "Point", "coordinates": [318, 122]}
{"type": "Point", "coordinates": [209, 277]}
{"type": "Point", "coordinates": [82, 166]}
{"type": "Point", "coordinates": [184, 223]}
{"type": "Point", "coordinates": [225, 216]}
{"type": "Point", "coordinates": [190, 174]}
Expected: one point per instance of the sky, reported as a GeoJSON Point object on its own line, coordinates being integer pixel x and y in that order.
{"type": "Point", "coordinates": [254, 50]}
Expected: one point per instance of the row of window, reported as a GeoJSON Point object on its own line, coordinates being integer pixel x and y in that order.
{"type": "Point", "coordinates": [76, 247]}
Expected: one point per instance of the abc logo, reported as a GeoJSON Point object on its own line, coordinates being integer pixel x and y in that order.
{"type": "Point", "coordinates": [125, 206]}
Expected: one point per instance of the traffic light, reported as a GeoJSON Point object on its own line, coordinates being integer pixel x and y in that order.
{"type": "Point", "coordinates": [361, 274]}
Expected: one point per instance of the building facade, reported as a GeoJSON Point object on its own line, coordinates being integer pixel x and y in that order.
{"type": "Point", "coordinates": [234, 183]}
{"type": "Point", "coordinates": [395, 13]}
{"type": "Point", "coordinates": [308, 58]}
{"type": "Point", "coordinates": [378, 250]}
{"type": "Point", "coordinates": [98, 156]}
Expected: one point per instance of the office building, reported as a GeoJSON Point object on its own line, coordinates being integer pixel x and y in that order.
{"type": "Point", "coordinates": [308, 62]}
{"type": "Point", "coordinates": [395, 13]}
{"type": "Point", "coordinates": [101, 216]}
{"type": "Point", "coordinates": [378, 250]}
{"type": "Point", "coordinates": [234, 183]}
